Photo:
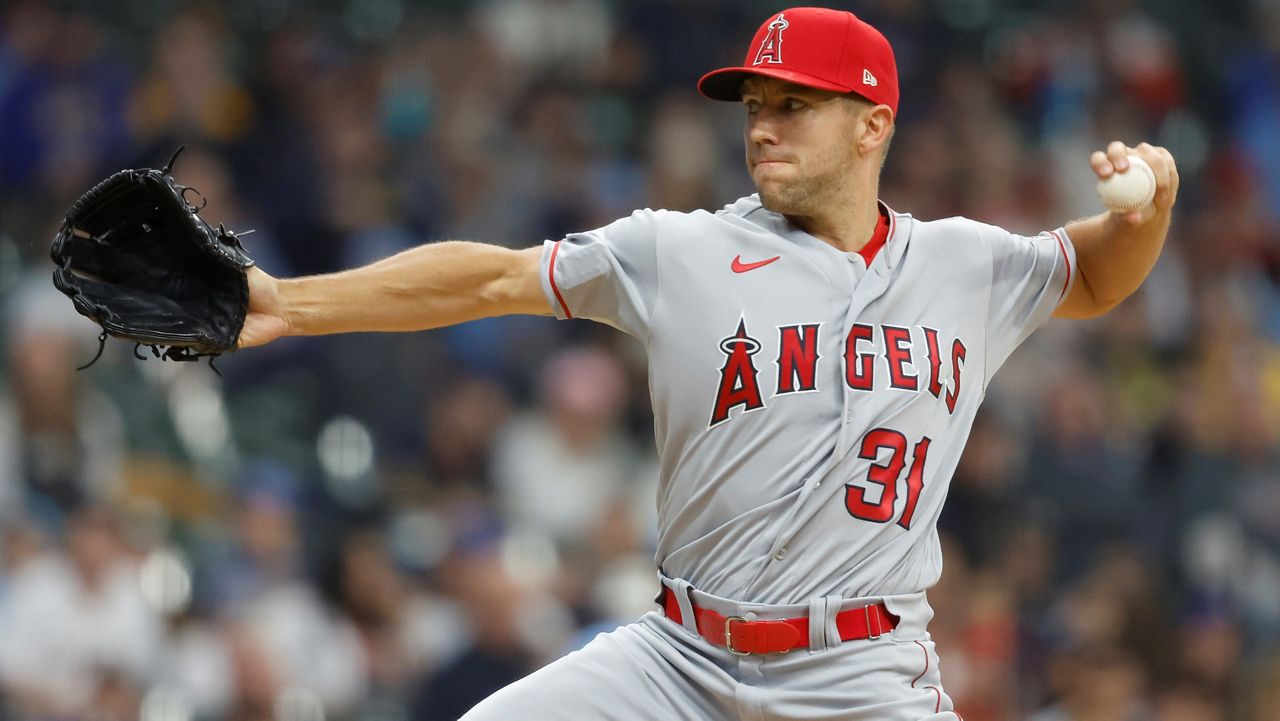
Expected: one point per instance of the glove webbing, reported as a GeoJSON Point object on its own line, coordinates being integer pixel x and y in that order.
{"type": "Point", "coordinates": [181, 354]}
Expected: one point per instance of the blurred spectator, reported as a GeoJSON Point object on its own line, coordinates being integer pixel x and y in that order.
{"type": "Point", "coordinates": [62, 102]}
{"type": "Point", "coordinates": [1096, 683]}
{"type": "Point", "coordinates": [308, 646]}
{"type": "Point", "coordinates": [1081, 477]}
{"type": "Point", "coordinates": [980, 512]}
{"type": "Point", "coordinates": [1187, 702]}
{"type": "Point", "coordinates": [1209, 654]}
{"type": "Point", "coordinates": [682, 157]}
{"type": "Point", "coordinates": [460, 429]}
{"type": "Point", "coordinates": [549, 37]}
{"type": "Point", "coordinates": [78, 637]}
{"type": "Point", "coordinates": [257, 681]}
{"type": "Point", "coordinates": [266, 550]}
{"type": "Point", "coordinates": [404, 633]}
{"type": "Point", "coordinates": [510, 617]}
{"type": "Point", "coordinates": [286, 624]}
{"type": "Point", "coordinates": [1264, 691]}
{"type": "Point", "coordinates": [560, 468]}
{"type": "Point", "coordinates": [190, 90]}
{"type": "Point", "coordinates": [1253, 87]}
{"type": "Point", "coordinates": [197, 664]}
{"type": "Point", "coordinates": [60, 438]}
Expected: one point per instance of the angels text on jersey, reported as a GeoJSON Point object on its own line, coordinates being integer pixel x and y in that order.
{"type": "Point", "coordinates": [875, 355]}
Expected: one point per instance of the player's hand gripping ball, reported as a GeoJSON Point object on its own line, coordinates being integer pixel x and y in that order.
{"type": "Point", "coordinates": [1130, 190]}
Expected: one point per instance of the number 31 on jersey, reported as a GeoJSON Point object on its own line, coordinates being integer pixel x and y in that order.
{"type": "Point", "coordinates": [886, 476]}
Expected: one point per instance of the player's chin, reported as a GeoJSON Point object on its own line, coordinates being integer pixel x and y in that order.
{"type": "Point", "coordinates": [774, 191]}
{"type": "Point", "coordinates": [777, 197]}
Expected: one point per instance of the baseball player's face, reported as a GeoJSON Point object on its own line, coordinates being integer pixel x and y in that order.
{"type": "Point", "coordinates": [801, 144]}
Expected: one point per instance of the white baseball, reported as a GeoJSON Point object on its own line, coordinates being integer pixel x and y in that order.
{"type": "Point", "coordinates": [1131, 190]}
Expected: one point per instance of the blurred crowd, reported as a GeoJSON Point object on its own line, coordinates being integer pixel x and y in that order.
{"type": "Point", "coordinates": [390, 527]}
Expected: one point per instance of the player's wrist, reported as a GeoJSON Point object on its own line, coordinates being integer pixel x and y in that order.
{"type": "Point", "coordinates": [291, 311]}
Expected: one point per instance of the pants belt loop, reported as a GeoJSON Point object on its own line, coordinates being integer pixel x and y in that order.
{"type": "Point", "coordinates": [818, 623]}
{"type": "Point", "coordinates": [681, 588]}
{"type": "Point", "coordinates": [829, 621]}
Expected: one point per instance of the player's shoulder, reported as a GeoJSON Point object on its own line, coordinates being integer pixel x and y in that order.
{"type": "Point", "coordinates": [747, 207]}
{"type": "Point", "coordinates": [668, 226]}
{"type": "Point", "coordinates": [961, 232]}
{"type": "Point", "coordinates": [744, 207]}
{"type": "Point", "coordinates": [954, 229]}
{"type": "Point", "coordinates": [748, 214]}
{"type": "Point", "coordinates": [640, 224]}
{"type": "Point", "coordinates": [745, 213]}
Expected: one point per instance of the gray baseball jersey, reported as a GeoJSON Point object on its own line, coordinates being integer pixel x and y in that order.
{"type": "Point", "coordinates": [809, 407]}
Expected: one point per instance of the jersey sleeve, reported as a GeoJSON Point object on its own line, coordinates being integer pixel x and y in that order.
{"type": "Point", "coordinates": [608, 275]}
{"type": "Point", "coordinates": [1030, 276]}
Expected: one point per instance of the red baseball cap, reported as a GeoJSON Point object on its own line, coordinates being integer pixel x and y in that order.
{"type": "Point", "coordinates": [817, 48]}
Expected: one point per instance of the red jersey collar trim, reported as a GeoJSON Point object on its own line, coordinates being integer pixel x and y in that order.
{"type": "Point", "coordinates": [884, 228]}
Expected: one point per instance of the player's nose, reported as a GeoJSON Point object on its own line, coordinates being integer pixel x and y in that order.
{"type": "Point", "coordinates": [761, 131]}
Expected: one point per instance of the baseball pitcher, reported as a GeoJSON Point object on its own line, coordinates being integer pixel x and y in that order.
{"type": "Point", "coordinates": [816, 360]}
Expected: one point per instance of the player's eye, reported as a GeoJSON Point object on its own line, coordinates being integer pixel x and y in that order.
{"type": "Point", "coordinates": [794, 104]}
{"type": "Point", "coordinates": [752, 106]}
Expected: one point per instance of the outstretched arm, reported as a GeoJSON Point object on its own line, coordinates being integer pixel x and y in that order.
{"type": "Point", "coordinates": [424, 287]}
{"type": "Point", "coordinates": [1116, 251]}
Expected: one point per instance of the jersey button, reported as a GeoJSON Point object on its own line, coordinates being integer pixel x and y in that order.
{"type": "Point", "coordinates": [781, 554]}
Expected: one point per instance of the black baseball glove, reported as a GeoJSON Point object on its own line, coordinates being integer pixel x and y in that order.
{"type": "Point", "coordinates": [136, 258]}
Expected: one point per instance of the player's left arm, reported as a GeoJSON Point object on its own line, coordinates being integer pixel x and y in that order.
{"type": "Point", "coordinates": [1116, 251]}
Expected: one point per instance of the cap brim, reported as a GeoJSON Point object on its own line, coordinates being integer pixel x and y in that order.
{"type": "Point", "coordinates": [726, 83]}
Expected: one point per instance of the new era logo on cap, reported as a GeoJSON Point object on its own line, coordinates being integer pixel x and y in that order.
{"type": "Point", "coordinates": [827, 49]}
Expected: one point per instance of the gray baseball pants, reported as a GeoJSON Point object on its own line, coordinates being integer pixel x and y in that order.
{"type": "Point", "coordinates": [656, 669]}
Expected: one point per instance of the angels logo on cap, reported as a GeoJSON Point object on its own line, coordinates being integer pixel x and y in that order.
{"type": "Point", "coordinates": [771, 47]}
{"type": "Point", "coordinates": [826, 49]}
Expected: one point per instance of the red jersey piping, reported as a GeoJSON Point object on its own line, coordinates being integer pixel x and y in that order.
{"type": "Point", "coordinates": [551, 275]}
{"type": "Point", "coordinates": [1063, 247]}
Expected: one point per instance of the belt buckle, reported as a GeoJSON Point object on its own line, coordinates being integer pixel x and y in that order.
{"type": "Point", "coordinates": [867, 613]}
{"type": "Point", "coordinates": [728, 638]}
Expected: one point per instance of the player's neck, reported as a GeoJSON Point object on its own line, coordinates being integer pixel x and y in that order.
{"type": "Point", "coordinates": [848, 226]}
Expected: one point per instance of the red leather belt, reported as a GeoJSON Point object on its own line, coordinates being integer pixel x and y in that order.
{"type": "Point", "coordinates": [744, 637]}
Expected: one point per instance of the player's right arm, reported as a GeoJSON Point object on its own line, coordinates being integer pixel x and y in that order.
{"type": "Point", "coordinates": [429, 286]}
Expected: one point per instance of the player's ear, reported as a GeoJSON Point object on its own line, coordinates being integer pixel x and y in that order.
{"type": "Point", "coordinates": [876, 128]}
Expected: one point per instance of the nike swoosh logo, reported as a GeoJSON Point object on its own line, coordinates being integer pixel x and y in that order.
{"type": "Point", "coordinates": [740, 267]}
